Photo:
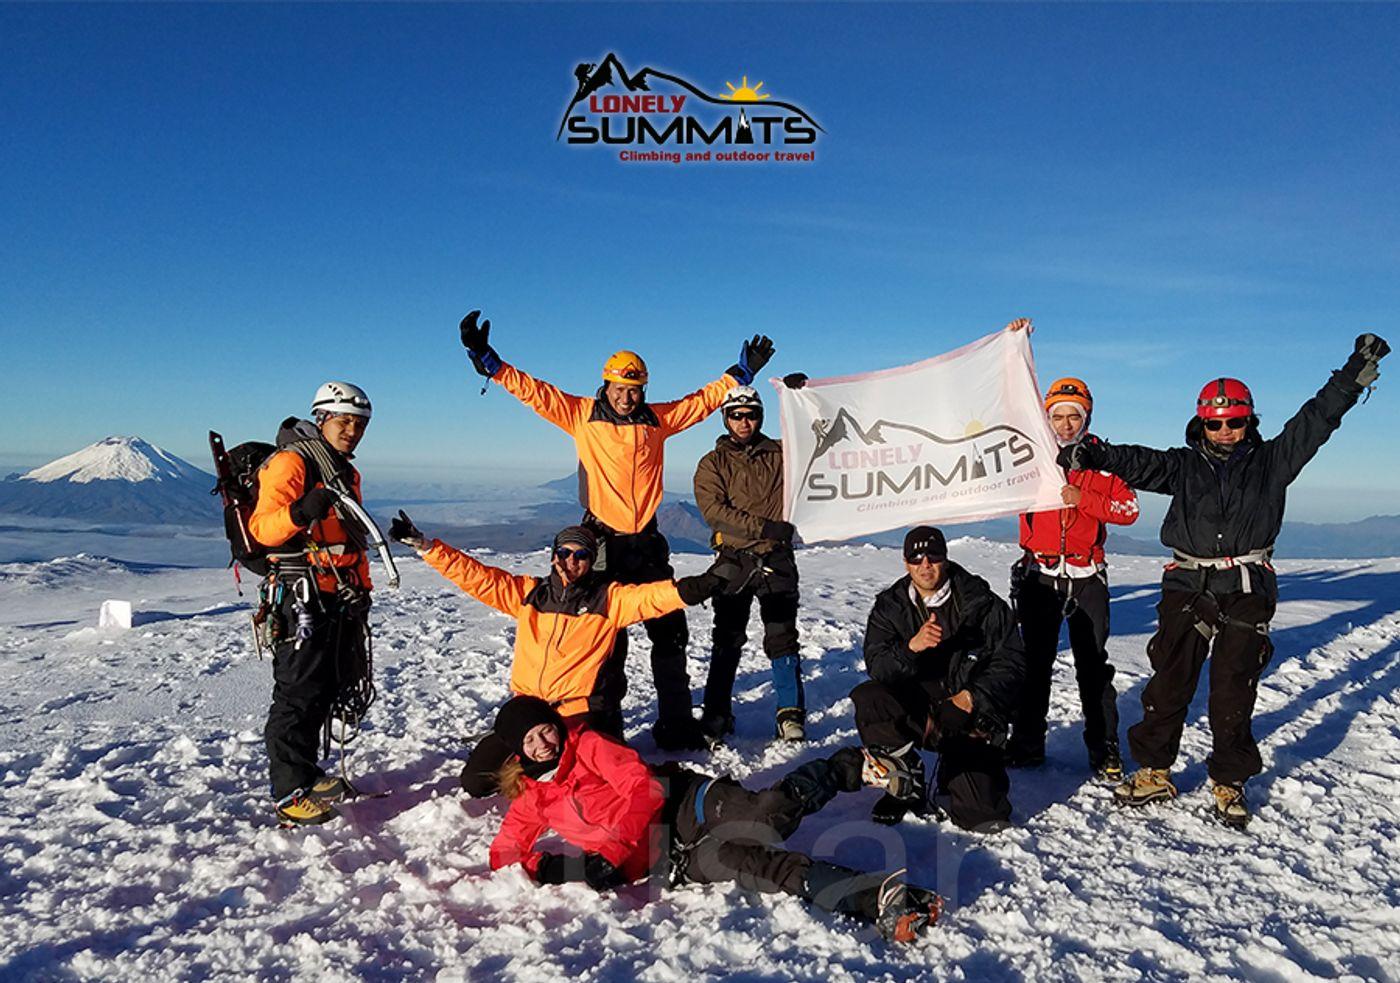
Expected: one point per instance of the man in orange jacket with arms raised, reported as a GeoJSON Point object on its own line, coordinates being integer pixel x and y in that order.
{"type": "Point", "coordinates": [620, 439]}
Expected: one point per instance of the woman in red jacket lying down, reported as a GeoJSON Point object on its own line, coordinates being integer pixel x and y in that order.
{"type": "Point", "coordinates": [630, 821]}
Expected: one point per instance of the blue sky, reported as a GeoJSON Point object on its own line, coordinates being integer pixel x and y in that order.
{"type": "Point", "coordinates": [210, 209]}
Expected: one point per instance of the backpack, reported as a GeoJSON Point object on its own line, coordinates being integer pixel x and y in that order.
{"type": "Point", "coordinates": [237, 473]}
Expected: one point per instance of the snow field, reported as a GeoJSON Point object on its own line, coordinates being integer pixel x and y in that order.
{"type": "Point", "coordinates": [136, 841]}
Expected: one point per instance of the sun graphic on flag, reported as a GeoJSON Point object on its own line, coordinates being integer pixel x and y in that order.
{"type": "Point", "coordinates": [744, 92]}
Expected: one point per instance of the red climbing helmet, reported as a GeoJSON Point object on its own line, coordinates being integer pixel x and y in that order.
{"type": "Point", "coordinates": [1224, 398]}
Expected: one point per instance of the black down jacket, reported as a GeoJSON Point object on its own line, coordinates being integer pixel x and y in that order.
{"type": "Point", "coordinates": [1228, 507]}
{"type": "Point", "coordinates": [980, 652]}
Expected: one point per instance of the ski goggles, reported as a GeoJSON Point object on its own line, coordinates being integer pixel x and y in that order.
{"type": "Point", "coordinates": [744, 415]}
{"type": "Point", "coordinates": [1234, 423]}
{"type": "Point", "coordinates": [582, 553]}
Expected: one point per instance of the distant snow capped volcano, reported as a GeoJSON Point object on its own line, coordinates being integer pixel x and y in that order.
{"type": "Point", "coordinates": [118, 480]}
{"type": "Point", "coordinates": [118, 459]}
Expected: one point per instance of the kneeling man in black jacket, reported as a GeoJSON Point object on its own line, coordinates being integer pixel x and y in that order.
{"type": "Point", "coordinates": [945, 664]}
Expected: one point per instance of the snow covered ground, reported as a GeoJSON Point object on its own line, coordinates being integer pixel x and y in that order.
{"type": "Point", "coordinates": [136, 840]}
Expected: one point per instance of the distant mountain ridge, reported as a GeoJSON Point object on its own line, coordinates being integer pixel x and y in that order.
{"type": "Point", "coordinates": [124, 480]}
{"type": "Point", "coordinates": [683, 525]}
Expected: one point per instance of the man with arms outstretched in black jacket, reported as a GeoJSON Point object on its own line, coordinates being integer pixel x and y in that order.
{"type": "Point", "coordinates": [1227, 487]}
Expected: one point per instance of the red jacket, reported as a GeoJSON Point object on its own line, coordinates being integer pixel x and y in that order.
{"type": "Point", "coordinates": [603, 799]}
{"type": "Point", "coordinates": [1077, 533]}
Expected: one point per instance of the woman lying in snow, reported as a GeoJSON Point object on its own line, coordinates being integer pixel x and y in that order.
{"type": "Point", "coordinates": [631, 821]}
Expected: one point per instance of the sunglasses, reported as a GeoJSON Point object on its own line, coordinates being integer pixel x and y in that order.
{"type": "Point", "coordinates": [745, 415]}
{"type": "Point", "coordinates": [1234, 423]}
{"type": "Point", "coordinates": [582, 553]}
{"type": "Point", "coordinates": [915, 559]}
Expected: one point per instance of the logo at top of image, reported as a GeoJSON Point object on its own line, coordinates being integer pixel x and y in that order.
{"type": "Point", "coordinates": [655, 116]}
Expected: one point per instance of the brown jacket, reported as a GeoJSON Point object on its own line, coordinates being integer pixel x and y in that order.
{"type": "Point", "coordinates": [738, 487]}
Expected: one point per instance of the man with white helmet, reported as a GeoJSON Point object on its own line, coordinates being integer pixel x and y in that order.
{"type": "Point", "coordinates": [739, 488]}
{"type": "Point", "coordinates": [321, 584]}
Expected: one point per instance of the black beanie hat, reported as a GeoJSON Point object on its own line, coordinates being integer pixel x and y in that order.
{"type": "Point", "coordinates": [577, 536]}
{"type": "Point", "coordinates": [926, 540]}
{"type": "Point", "coordinates": [514, 720]}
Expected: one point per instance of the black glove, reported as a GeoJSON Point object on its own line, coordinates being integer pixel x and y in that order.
{"type": "Point", "coordinates": [476, 340]}
{"type": "Point", "coordinates": [1374, 347]}
{"type": "Point", "coordinates": [600, 874]}
{"type": "Point", "coordinates": [553, 868]}
{"type": "Point", "coordinates": [699, 588]}
{"type": "Point", "coordinates": [752, 357]}
{"type": "Point", "coordinates": [1363, 366]}
{"type": "Point", "coordinates": [951, 720]}
{"type": "Point", "coordinates": [778, 530]}
{"type": "Point", "coordinates": [402, 530]}
{"type": "Point", "coordinates": [795, 380]}
{"type": "Point", "coordinates": [312, 507]}
{"type": "Point", "coordinates": [1083, 455]}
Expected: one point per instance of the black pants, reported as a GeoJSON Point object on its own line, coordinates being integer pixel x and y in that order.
{"type": "Point", "coordinates": [1177, 652]}
{"type": "Point", "coordinates": [1040, 608]}
{"type": "Point", "coordinates": [722, 832]}
{"type": "Point", "coordinates": [776, 590]}
{"type": "Point", "coordinates": [642, 558]}
{"type": "Point", "coordinates": [306, 678]}
{"type": "Point", "coordinates": [971, 770]}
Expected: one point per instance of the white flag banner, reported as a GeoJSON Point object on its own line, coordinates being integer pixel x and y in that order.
{"type": "Point", "coordinates": [955, 438]}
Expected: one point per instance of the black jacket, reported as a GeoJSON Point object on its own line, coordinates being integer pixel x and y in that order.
{"type": "Point", "coordinates": [1233, 507]}
{"type": "Point", "coordinates": [980, 652]}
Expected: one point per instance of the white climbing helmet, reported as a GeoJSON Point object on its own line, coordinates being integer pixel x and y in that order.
{"type": "Point", "coordinates": [741, 397]}
{"type": "Point", "coordinates": [334, 398]}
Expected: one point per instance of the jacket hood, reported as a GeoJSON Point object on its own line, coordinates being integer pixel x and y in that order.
{"type": "Point", "coordinates": [294, 429]}
{"type": "Point", "coordinates": [761, 444]}
{"type": "Point", "coordinates": [603, 410]}
{"type": "Point", "coordinates": [1196, 435]}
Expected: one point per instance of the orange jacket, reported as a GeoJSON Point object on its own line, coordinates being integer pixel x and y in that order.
{"type": "Point", "coordinates": [562, 637]}
{"type": "Point", "coordinates": [1077, 533]}
{"type": "Point", "coordinates": [622, 459]}
{"type": "Point", "coordinates": [280, 483]}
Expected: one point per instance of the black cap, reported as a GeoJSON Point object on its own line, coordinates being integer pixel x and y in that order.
{"type": "Point", "coordinates": [577, 536]}
{"type": "Point", "coordinates": [926, 540]}
{"type": "Point", "coordinates": [519, 715]}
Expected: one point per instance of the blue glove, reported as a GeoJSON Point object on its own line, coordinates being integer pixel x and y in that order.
{"type": "Point", "coordinates": [752, 358]}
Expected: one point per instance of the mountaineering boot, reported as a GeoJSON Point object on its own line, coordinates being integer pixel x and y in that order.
{"type": "Point", "coordinates": [1229, 806]}
{"type": "Point", "coordinates": [1107, 764]}
{"type": "Point", "coordinates": [900, 772]}
{"type": "Point", "coordinates": [715, 727]}
{"type": "Point", "coordinates": [301, 809]}
{"type": "Point", "coordinates": [791, 724]}
{"type": "Point", "coordinates": [332, 788]}
{"type": "Point", "coordinates": [680, 734]}
{"type": "Point", "coordinates": [1143, 786]}
{"type": "Point", "coordinates": [903, 911]}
